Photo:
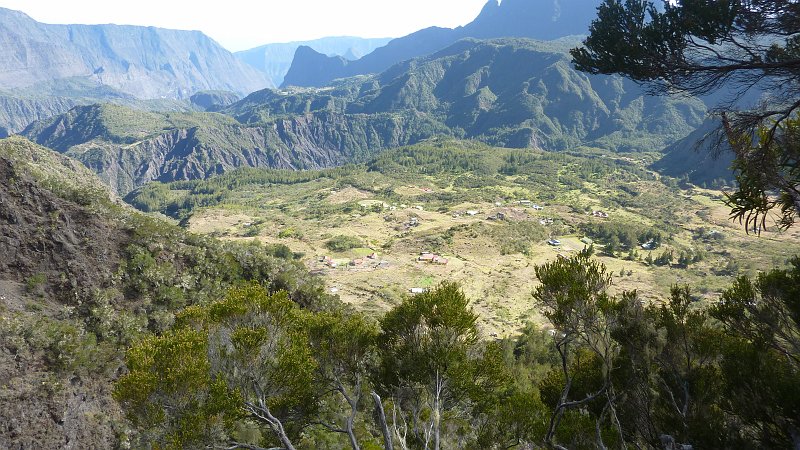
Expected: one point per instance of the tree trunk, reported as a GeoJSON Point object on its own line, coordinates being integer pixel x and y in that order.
{"type": "Point", "coordinates": [278, 427]}
{"type": "Point", "coordinates": [437, 412]}
{"type": "Point", "coordinates": [350, 433]}
{"type": "Point", "coordinates": [381, 416]}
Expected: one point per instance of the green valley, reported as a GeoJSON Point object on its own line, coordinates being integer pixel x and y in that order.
{"type": "Point", "coordinates": [490, 212]}
{"type": "Point", "coordinates": [463, 238]}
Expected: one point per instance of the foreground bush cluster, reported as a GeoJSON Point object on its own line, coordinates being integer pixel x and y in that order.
{"type": "Point", "coordinates": [256, 370]}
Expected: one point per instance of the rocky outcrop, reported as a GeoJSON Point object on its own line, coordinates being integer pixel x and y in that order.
{"type": "Point", "coordinates": [208, 148]}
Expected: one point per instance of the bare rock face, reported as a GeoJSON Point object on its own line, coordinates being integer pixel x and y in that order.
{"type": "Point", "coordinates": [43, 236]}
{"type": "Point", "coordinates": [144, 62]}
{"type": "Point", "coordinates": [207, 144]}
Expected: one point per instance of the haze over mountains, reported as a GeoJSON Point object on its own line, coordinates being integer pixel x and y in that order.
{"type": "Point", "coordinates": [513, 92]}
{"type": "Point", "coordinates": [144, 62]}
{"type": "Point", "coordinates": [276, 59]}
{"type": "Point", "coordinates": [535, 19]}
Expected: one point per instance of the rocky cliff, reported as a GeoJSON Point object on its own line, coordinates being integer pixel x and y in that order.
{"type": "Point", "coordinates": [144, 62]}
{"type": "Point", "coordinates": [128, 148]}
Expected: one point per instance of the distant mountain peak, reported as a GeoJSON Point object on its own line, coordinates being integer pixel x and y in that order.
{"type": "Point", "coordinates": [274, 60]}
{"type": "Point", "coordinates": [534, 19]}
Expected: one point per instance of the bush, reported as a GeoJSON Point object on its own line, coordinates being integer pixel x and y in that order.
{"type": "Point", "coordinates": [34, 284]}
{"type": "Point", "coordinates": [343, 243]}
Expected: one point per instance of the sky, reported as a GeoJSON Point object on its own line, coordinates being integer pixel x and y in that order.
{"type": "Point", "coordinates": [243, 24]}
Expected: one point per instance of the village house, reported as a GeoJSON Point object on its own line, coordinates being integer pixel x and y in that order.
{"type": "Point", "coordinates": [432, 258]}
{"type": "Point", "coordinates": [439, 260]}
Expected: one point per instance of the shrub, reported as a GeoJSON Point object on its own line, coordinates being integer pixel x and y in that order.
{"type": "Point", "coordinates": [343, 243]}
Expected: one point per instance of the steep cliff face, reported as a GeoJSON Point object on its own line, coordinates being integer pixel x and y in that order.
{"type": "Point", "coordinates": [145, 62]}
{"type": "Point", "coordinates": [534, 19]}
{"type": "Point", "coordinates": [154, 147]}
{"type": "Point", "coordinates": [16, 113]}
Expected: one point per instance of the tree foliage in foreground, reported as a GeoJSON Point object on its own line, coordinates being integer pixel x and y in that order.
{"type": "Point", "coordinates": [255, 370]}
{"type": "Point", "coordinates": [728, 47]}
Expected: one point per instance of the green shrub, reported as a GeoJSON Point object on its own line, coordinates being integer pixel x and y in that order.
{"type": "Point", "coordinates": [343, 243]}
{"type": "Point", "coordinates": [34, 284]}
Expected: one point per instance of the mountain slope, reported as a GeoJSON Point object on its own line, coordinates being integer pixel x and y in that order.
{"type": "Point", "coordinates": [144, 62]}
{"type": "Point", "coordinates": [698, 156]}
{"type": "Point", "coordinates": [81, 277]}
{"type": "Point", "coordinates": [512, 92]}
{"type": "Point", "coordinates": [275, 59]}
{"type": "Point", "coordinates": [128, 148]}
{"type": "Point", "coordinates": [508, 92]}
{"type": "Point", "coordinates": [16, 113]}
{"type": "Point", "coordinates": [534, 19]}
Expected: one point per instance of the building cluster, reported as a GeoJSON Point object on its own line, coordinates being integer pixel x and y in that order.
{"type": "Point", "coordinates": [432, 258]}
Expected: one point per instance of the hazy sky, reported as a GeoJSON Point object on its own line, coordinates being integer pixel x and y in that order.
{"type": "Point", "coordinates": [243, 24]}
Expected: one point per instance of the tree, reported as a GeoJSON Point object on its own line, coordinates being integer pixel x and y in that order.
{"type": "Point", "coordinates": [698, 47]}
{"type": "Point", "coordinates": [574, 299]}
{"type": "Point", "coordinates": [169, 395]}
{"type": "Point", "coordinates": [246, 357]}
{"type": "Point", "coordinates": [432, 362]}
{"type": "Point", "coordinates": [345, 350]}
{"type": "Point", "coordinates": [765, 311]}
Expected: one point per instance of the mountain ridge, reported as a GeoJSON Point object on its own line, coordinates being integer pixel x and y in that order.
{"type": "Point", "coordinates": [534, 19]}
{"type": "Point", "coordinates": [146, 62]}
{"type": "Point", "coordinates": [506, 92]}
{"type": "Point", "coordinates": [275, 59]}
